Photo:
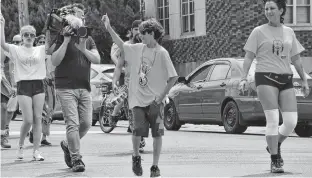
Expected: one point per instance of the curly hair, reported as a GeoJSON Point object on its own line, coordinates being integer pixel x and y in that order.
{"type": "Point", "coordinates": [281, 4]}
{"type": "Point", "coordinates": [69, 9]}
{"type": "Point", "coordinates": [152, 25]}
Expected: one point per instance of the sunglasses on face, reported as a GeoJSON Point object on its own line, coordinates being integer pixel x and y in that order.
{"type": "Point", "coordinates": [27, 35]}
{"type": "Point", "coordinates": [41, 42]}
{"type": "Point", "coordinates": [16, 42]}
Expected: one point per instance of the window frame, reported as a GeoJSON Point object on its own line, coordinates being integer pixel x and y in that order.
{"type": "Point", "coordinates": [142, 8]}
{"type": "Point", "coordinates": [214, 66]}
{"type": "Point", "coordinates": [295, 25]}
{"type": "Point", "coordinates": [164, 15]}
{"type": "Point", "coordinates": [199, 69]}
{"type": "Point", "coordinates": [188, 15]}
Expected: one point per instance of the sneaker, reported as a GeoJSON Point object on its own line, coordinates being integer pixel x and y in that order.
{"type": "Point", "coordinates": [276, 166]}
{"type": "Point", "coordinates": [31, 137]}
{"type": "Point", "coordinates": [20, 152]}
{"type": "Point", "coordinates": [67, 157]}
{"type": "Point", "coordinates": [136, 165]}
{"type": "Point", "coordinates": [45, 142]}
{"type": "Point", "coordinates": [155, 172]}
{"type": "Point", "coordinates": [5, 142]}
{"type": "Point", "coordinates": [78, 166]}
{"type": "Point", "coordinates": [37, 156]}
{"type": "Point", "coordinates": [112, 120]}
{"type": "Point", "coordinates": [280, 159]}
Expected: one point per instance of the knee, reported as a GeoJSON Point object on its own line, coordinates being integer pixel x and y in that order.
{"type": "Point", "coordinates": [28, 121]}
{"type": "Point", "coordinates": [72, 128]}
{"type": "Point", "coordinates": [289, 123]}
{"type": "Point", "coordinates": [86, 124]}
{"type": "Point", "coordinates": [272, 120]}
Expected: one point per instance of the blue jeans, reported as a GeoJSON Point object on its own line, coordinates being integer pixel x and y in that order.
{"type": "Point", "coordinates": [77, 112]}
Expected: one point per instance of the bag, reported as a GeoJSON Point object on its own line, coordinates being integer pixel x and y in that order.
{"type": "Point", "coordinates": [12, 104]}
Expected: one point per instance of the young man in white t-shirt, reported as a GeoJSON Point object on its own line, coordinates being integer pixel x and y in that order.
{"type": "Point", "coordinates": [118, 59]}
{"type": "Point", "coordinates": [152, 74]}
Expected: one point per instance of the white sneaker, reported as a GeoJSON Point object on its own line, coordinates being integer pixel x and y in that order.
{"type": "Point", "coordinates": [37, 156]}
{"type": "Point", "coordinates": [20, 152]}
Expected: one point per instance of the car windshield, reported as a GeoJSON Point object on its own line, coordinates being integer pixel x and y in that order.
{"type": "Point", "coordinates": [109, 73]}
{"type": "Point", "coordinates": [253, 68]}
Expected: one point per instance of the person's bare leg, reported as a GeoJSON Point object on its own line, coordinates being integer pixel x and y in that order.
{"type": "Point", "coordinates": [157, 145]}
{"type": "Point", "coordinates": [38, 101]}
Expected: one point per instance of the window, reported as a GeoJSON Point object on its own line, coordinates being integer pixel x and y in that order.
{"type": "Point", "coordinates": [163, 14]}
{"type": "Point", "coordinates": [219, 72]}
{"type": "Point", "coordinates": [142, 7]}
{"type": "Point", "coordinates": [188, 16]}
{"type": "Point", "coordinates": [93, 73]}
{"type": "Point", "coordinates": [109, 73]}
{"type": "Point", "coordinates": [298, 12]}
{"type": "Point", "coordinates": [201, 74]}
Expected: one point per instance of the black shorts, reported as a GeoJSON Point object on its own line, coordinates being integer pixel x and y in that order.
{"type": "Point", "coordinates": [30, 87]}
{"type": "Point", "coordinates": [280, 81]}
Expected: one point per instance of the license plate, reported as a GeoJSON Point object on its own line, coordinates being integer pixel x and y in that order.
{"type": "Point", "coordinates": [298, 92]}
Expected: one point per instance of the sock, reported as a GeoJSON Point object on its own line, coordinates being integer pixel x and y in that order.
{"type": "Point", "coordinates": [3, 132]}
{"type": "Point", "coordinates": [274, 157]}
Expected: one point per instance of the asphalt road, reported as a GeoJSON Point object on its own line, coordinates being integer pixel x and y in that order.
{"type": "Point", "coordinates": [194, 151]}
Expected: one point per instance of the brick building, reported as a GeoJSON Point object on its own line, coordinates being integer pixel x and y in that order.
{"type": "Point", "coordinates": [199, 30]}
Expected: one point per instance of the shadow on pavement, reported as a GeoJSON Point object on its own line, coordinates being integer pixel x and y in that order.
{"type": "Point", "coordinates": [216, 132]}
{"type": "Point", "coordinates": [20, 162]}
{"type": "Point", "coordinates": [67, 172]}
{"type": "Point", "coordinates": [268, 174]}
{"type": "Point", "coordinates": [115, 134]}
{"type": "Point", "coordinates": [123, 154]}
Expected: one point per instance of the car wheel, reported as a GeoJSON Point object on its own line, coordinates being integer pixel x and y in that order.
{"type": "Point", "coordinates": [230, 117]}
{"type": "Point", "coordinates": [303, 130]}
{"type": "Point", "coordinates": [171, 117]}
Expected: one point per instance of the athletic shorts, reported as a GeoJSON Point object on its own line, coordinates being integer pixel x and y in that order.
{"type": "Point", "coordinates": [148, 117]}
{"type": "Point", "coordinates": [280, 81]}
{"type": "Point", "coordinates": [30, 87]}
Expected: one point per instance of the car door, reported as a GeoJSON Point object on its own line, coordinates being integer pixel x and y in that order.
{"type": "Point", "coordinates": [190, 95]}
{"type": "Point", "coordinates": [216, 84]}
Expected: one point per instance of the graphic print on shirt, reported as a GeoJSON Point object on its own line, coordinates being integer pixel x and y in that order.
{"type": "Point", "coordinates": [144, 70]}
{"type": "Point", "coordinates": [278, 47]}
{"type": "Point", "coordinates": [30, 61]}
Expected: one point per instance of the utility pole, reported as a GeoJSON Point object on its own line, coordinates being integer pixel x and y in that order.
{"type": "Point", "coordinates": [23, 14]}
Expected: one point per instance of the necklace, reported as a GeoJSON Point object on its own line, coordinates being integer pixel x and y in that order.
{"type": "Point", "coordinates": [145, 69]}
{"type": "Point", "coordinates": [278, 45]}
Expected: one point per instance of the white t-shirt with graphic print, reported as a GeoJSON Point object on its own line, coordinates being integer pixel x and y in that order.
{"type": "Point", "coordinates": [29, 62]}
{"type": "Point", "coordinates": [158, 68]}
{"type": "Point", "coordinates": [273, 47]}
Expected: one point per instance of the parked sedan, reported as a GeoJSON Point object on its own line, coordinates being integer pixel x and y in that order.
{"type": "Point", "coordinates": [99, 75]}
{"type": "Point", "coordinates": [210, 95]}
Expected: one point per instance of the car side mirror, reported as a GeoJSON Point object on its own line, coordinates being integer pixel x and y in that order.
{"type": "Point", "coordinates": [182, 80]}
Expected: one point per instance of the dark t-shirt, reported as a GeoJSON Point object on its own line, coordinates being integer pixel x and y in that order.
{"type": "Point", "coordinates": [74, 70]}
